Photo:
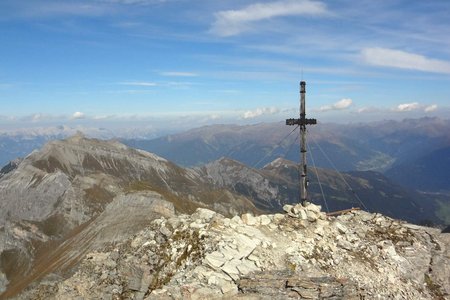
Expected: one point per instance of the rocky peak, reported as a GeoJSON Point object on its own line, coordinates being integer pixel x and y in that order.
{"type": "Point", "coordinates": [279, 163]}
{"type": "Point", "coordinates": [11, 166]}
{"type": "Point", "coordinates": [302, 254]}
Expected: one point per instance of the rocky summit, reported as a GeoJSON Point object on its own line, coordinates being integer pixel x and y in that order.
{"type": "Point", "coordinates": [301, 254]}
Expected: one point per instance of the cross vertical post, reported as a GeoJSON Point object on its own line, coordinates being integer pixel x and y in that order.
{"type": "Point", "coordinates": [302, 122]}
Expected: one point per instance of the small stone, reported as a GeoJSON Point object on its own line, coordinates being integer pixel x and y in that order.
{"type": "Point", "coordinates": [246, 267]}
{"type": "Point", "coordinates": [229, 289]}
{"type": "Point", "coordinates": [237, 220]}
{"type": "Point", "coordinates": [314, 208]}
{"type": "Point", "coordinates": [230, 253]}
{"type": "Point", "coordinates": [340, 227]}
{"type": "Point", "coordinates": [203, 214]}
{"type": "Point", "coordinates": [165, 231]}
{"type": "Point", "coordinates": [213, 280]}
{"type": "Point", "coordinates": [215, 259]}
{"type": "Point", "coordinates": [345, 244]}
{"type": "Point", "coordinates": [250, 220]}
{"type": "Point", "coordinates": [245, 245]}
{"type": "Point", "coordinates": [311, 216]}
{"type": "Point", "coordinates": [278, 217]}
{"type": "Point", "coordinates": [230, 268]}
{"type": "Point", "coordinates": [297, 209]}
{"type": "Point", "coordinates": [264, 220]}
{"type": "Point", "coordinates": [287, 208]}
{"type": "Point", "coordinates": [204, 293]}
{"type": "Point", "coordinates": [197, 225]}
{"type": "Point", "coordinates": [303, 215]}
{"type": "Point", "coordinates": [319, 231]}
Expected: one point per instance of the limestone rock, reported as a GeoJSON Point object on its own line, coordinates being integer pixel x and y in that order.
{"type": "Point", "coordinates": [361, 256]}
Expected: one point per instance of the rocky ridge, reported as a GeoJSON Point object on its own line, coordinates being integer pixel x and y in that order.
{"type": "Point", "coordinates": [69, 186]}
{"type": "Point", "coordinates": [302, 254]}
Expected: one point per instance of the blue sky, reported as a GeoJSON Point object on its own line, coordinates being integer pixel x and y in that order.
{"type": "Point", "coordinates": [189, 63]}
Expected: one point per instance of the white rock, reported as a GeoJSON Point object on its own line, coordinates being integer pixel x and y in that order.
{"type": "Point", "coordinates": [245, 245]}
{"type": "Point", "coordinates": [303, 215]}
{"type": "Point", "coordinates": [287, 208]}
{"type": "Point", "coordinates": [215, 259]}
{"type": "Point", "coordinates": [229, 289]}
{"type": "Point", "coordinates": [313, 207]}
{"type": "Point", "coordinates": [230, 268]}
{"type": "Point", "coordinates": [203, 214]}
{"type": "Point", "coordinates": [311, 216]}
{"type": "Point", "coordinates": [322, 223]}
{"type": "Point", "coordinates": [345, 244]}
{"type": "Point", "coordinates": [340, 227]}
{"type": "Point", "coordinates": [230, 253]}
{"type": "Point", "coordinates": [297, 209]}
{"type": "Point", "coordinates": [249, 219]}
{"type": "Point", "coordinates": [247, 266]}
{"type": "Point", "coordinates": [278, 217]}
{"type": "Point", "coordinates": [264, 220]}
{"type": "Point", "coordinates": [237, 220]}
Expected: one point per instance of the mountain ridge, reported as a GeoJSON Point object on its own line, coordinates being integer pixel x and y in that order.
{"type": "Point", "coordinates": [80, 195]}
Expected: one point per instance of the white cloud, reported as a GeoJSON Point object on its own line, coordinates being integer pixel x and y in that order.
{"type": "Point", "coordinates": [407, 106]}
{"type": "Point", "coordinates": [7, 118]}
{"type": "Point", "coordinates": [403, 60]}
{"type": "Point", "coordinates": [139, 83]}
{"type": "Point", "coordinates": [234, 22]}
{"type": "Point", "coordinates": [369, 109]}
{"type": "Point", "coordinates": [78, 115]}
{"type": "Point", "coordinates": [40, 117]}
{"type": "Point", "coordinates": [430, 108]}
{"type": "Point", "coordinates": [103, 117]}
{"type": "Point", "coordinates": [340, 105]}
{"type": "Point", "coordinates": [250, 114]}
{"type": "Point", "coordinates": [179, 74]}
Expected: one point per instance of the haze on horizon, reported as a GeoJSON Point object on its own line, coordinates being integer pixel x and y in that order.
{"type": "Point", "coordinates": [180, 63]}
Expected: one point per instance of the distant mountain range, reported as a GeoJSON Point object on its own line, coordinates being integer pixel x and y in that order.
{"type": "Point", "coordinates": [15, 143]}
{"type": "Point", "coordinates": [389, 146]}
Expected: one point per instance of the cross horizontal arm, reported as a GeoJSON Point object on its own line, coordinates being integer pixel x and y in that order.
{"type": "Point", "coordinates": [302, 121]}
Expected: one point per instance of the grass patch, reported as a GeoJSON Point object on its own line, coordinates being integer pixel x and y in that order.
{"type": "Point", "coordinates": [433, 288]}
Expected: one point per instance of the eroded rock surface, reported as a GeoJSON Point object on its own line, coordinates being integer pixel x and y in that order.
{"type": "Point", "coordinates": [302, 254]}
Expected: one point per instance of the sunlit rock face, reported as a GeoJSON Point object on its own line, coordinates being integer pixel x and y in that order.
{"type": "Point", "coordinates": [300, 254]}
{"type": "Point", "coordinates": [61, 191]}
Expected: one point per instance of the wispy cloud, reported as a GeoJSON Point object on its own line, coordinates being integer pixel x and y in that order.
{"type": "Point", "coordinates": [403, 60]}
{"type": "Point", "coordinates": [260, 111]}
{"type": "Point", "coordinates": [78, 115]}
{"type": "Point", "coordinates": [179, 74]}
{"type": "Point", "coordinates": [368, 109]}
{"type": "Point", "coordinates": [234, 22]}
{"type": "Point", "coordinates": [407, 106]}
{"type": "Point", "coordinates": [40, 117]}
{"type": "Point", "coordinates": [431, 108]}
{"type": "Point", "coordinates": [340, 105]}
{"type": "Point", "coordinates": [138, 83]}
